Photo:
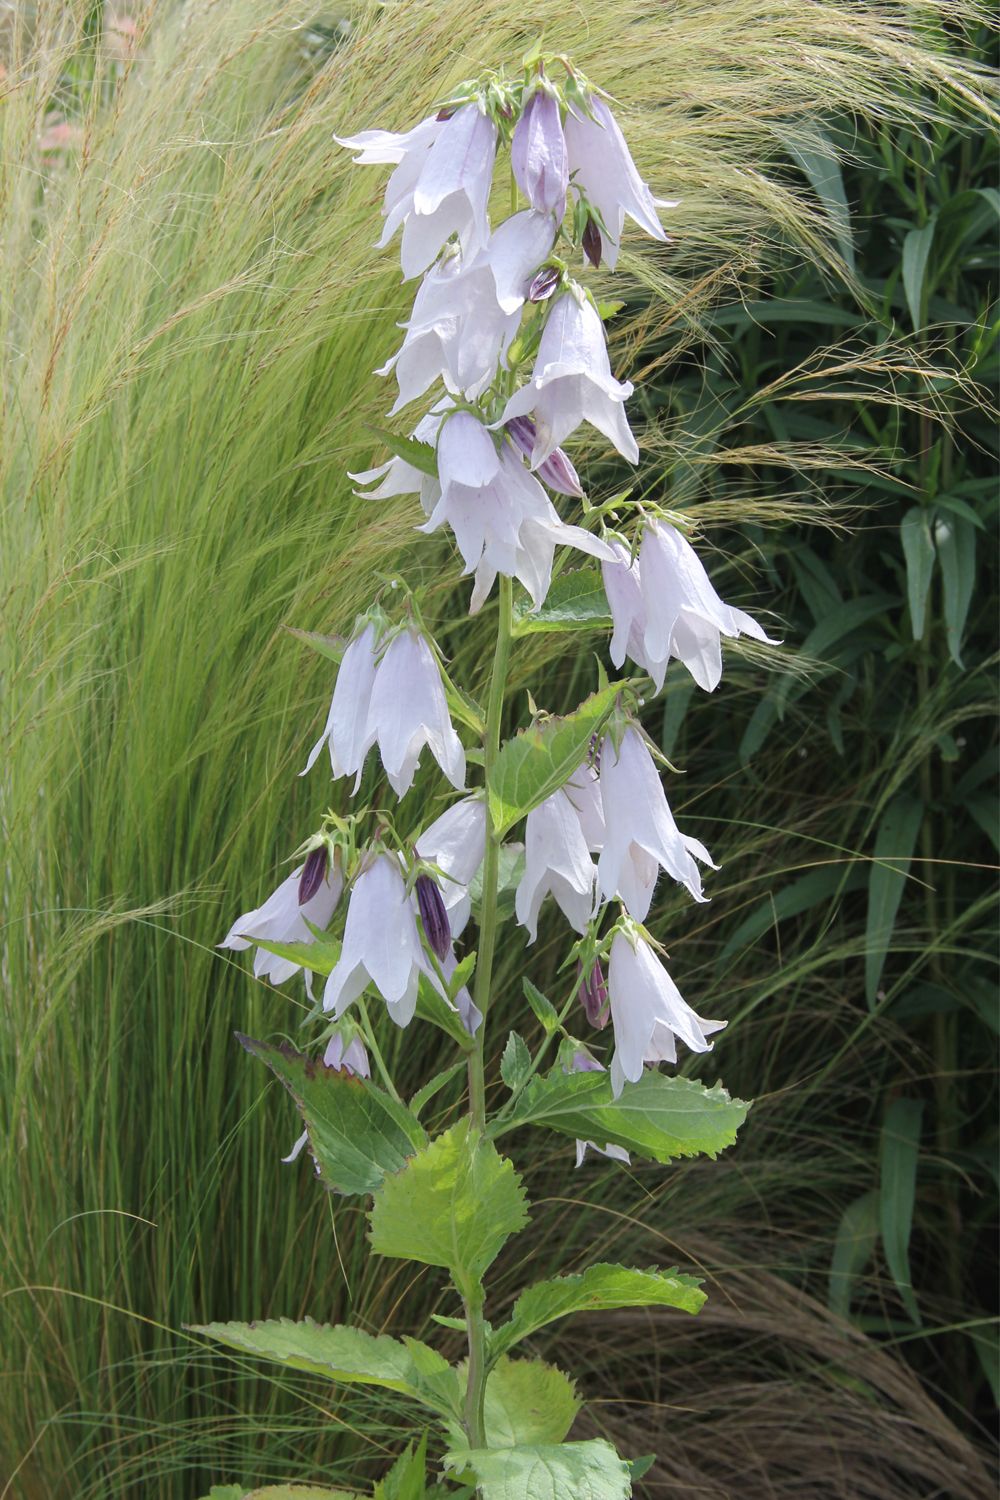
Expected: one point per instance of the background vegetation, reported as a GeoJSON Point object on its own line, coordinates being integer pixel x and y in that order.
{"type": "Point", "coordinates": [191, 311]}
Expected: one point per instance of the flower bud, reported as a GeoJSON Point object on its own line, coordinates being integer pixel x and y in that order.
{"type": "Point", "coordinates": [313, 873]}
{"type": "Point", "coordinates": [592, 246]}
{"type": "Point", "coordinates": [556, 471]}
{"type": "Point", "coordinates": [434, 915]}
{"type": "Point", "coordinates": [544, 284]}
{"type": "Point", "coordinates": [593, 993]}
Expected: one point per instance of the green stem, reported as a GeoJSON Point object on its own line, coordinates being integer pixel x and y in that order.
{"type": "Point", "coordinates": [475, 1391]}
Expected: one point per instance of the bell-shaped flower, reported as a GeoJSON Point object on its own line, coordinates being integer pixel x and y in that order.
{"type": "Point", "coordinates": [682, 615]}
{"type": "Point", "coordinates": [582, 1062]}
{"type": "Point", "coordinates": [282, 920]}
{"type": "Point", "coordinates": [640, 832]}
{"type": "Point", "coordinates": [381, 944]}
{"type": "Point", "coordinates": [648, 1012]}
{"type": "Point", "coordinates": [572, 382]}
{"type": "Point", "coordinates": [538, 154]}
{"type": "Point", "coordinates": [456, 843]}
{"type": "Point", "coordinates": [502, 519]}
{"type": "Point", "coordinates": [603, 171]}
{"type": "Point", "coordinates": [556, 860]}
{"type": "Point", "coordinates": [349, 1057]}
{"type": "Point", "coordinates": [409, 710]}
{"type": "Point", "coordinates": [347, 731]}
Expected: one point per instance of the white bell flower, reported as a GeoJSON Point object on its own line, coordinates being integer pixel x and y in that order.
{"type": "Point", "coordinates": [602, 169]}
{"type": "Point", "coordinates": [409, 710]}
{"type": "Point", "coordinates": [456, 843]}
{"type": "Point", "coordinates": [572, 382]}
{"type": "Point", "coordinates": [538, 154]}
{"type": "Point", "coordinates": [640, 832]}
{"type": "Point", "coordinates": [282, 920]}
{"type": "Point", "coordinates": [381, 944]}
{"type": "Point", "coordinates": [556, 860]}
{"type": "Point", "coordinates": [648, 1012]}
{"type": "Point", "coordinates": [351, 1058]}
{"type": "Point", "coordinates": [347, 731]}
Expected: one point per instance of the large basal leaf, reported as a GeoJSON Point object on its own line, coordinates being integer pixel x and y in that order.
{"type": "Point", "coordinates": [662, 1116]}
{"type": "Point", "coordinates": [599, 1288]}
{"type": "Point", "coordinates": [546, 1471]}
{"type": "Point", "coordinates": [527, 1401]}
{"type": "Point", "coordinates": [453, 1205]}
{"type": "Point", "coordinates": [542, 758]}
{"type": "Point", "coordinates": [357, 1132]}
{"type": "Point", "coordinates": [349, 1355]}
{"type": "Point", "coordinates": [575, 601]}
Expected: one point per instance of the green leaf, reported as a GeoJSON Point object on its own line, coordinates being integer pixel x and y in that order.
{"type": "Point", "coordinates": [916, 249]}
{"type": "Point", "coordinates": [527, 1401]}
{"type": "Point", "coordinates": [421, 455]}
{"type": "Point", "coordinates": [453, 1205]}
{"type": "Point", "coordinates": [330, 646]}
{"type": "Point", "coordinates": [542, 758]}
{"type": "Point", "coordinates": [575, 601]}
{"type": "Point", "coordinates": [543, 1008]}
{"type": "Point", "coordinates": [226, 1492]}
{"type": "Point", "coordinates": [956, 549]}
{"type": "Point", "coordinates": [407, 1479]}
{"type": "Point", "coordinates": [516, 1061]}
{"type": "Point", "coordinates": [900, 1147]}
{"type": "Point", "coordinates": [318, 957]}
{"type": "Point", "coordinates": [298, 1492]}
{"type": "Point", "coordinates": [349, 1355]}
{"type": "Point", "coordinates": [662, 1116]}
{"type": "Point", "coordinates": [599, 1288]}
{"type": "Point", "coordinates": [817, 157]}
{"type": "Point", "coordinates": [433, 1086]}
{"type": "Point", "coordinates": [918, 550]}
{"type": "Point", "coordinates": [585, 1471]}
{"type": "Point", "coordinates": [894, 844]}
{"type": "Point", "coordinates": [857, 1235]}
{"type": "Point", "coordinates": [637, 1467]}
{"type": "Point", "coordinates": [357, 1132]}
{"type": "Point", "coordinates": [803, 894]}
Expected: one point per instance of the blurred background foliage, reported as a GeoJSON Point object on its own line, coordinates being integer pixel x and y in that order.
{"type": "Point", "coordinates": [190, 313]}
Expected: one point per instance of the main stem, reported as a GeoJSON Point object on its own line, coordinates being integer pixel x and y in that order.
{"type": "Point", "coordinates": [476, 1387]}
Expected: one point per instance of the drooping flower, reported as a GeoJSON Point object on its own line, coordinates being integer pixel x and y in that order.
{"type": "Point", "coordinates": [538, 154]}
{"type": "Point", "coordinates": [347, 732]}
{"type": "Point", "coordinates": [408, 710]}
{"type": "Point", "coordinates": [381, 944]}
{"type": "Point", "coordinates": [602, 169]}
{"type": "Point", "coordinates": [572, 382]}
{"type": "Point", "coordinates": [441, 185]}
{"type": "Point", "coordinates": [350, 1057]}
{"type": "Point", "coordinates": [648, 1012]}
{"type": "Point", "coordinates": [640, 832]}
{"type": "Point", "coordinates": [556, 860]}
{"type": "Point", "coordinates": [282, 919]}
{"type": "Point", "coordinates": [582, 1062]}
{"type": "Point", "coordinates": [502, 519]}
{"type": "Point", "coordinates": [456, 843]}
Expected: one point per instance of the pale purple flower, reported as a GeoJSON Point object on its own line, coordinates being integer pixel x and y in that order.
{"type": "Point", "coordinates": [515, 252]}
{"type": "Point", "coordinates": [557, 861]}
{"type": "Point", "coordinates": [648, 1012]}
{"type": "Point", "coordinates": [640, 832]}
{"type": "Point", "coordinates": [408, 710]}
{"type": "Point", "coordinates": [538, 154]}
{"type": "Point", "coordinates": [282, 920]}
{"type": "Point", "coordinates": [593, 994]}
{"type": "Point", "coordinates": [381, 944]}
{"type": "Point", "coordinates": [556, 471]}
{"type": "Point", "coordinates": [352, 1059]}
{"type": "Point", "coordinates": [572, 382]}
{"type": "Point", "coordinates": [347, 731]}
{"type": "Point", "coordinates": [502, 519]}
{"type": "Point", "coordinates": [602, 170]}
{"type": "Point", "coordinates": [582, 1062]}
{"type": "Point", "coordinates": [456, 843]}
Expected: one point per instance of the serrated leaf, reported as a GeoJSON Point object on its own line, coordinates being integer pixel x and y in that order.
{"type": "Point", "coordinates": [918, 550]}
{"type": "Point", "coordinates": [407, 1479]}
{"type": "Point", "coordinates": [575, 601]}
{"type": "Point", "coordinates": [899, 1150]}
{"type": "Point", "coordinates": [543, 1008]}
{"type": "Point", "coordinates": [599, 1288]}
{"type": "Point", "coordinates": [516, 1061]}
{"type": "Point", "coordinates": [454, 1205]}
{"type": "Point", "coordinates": [661, 1117]}
{"type": "Point", "coordinates": [956, 550]}
{"type": "Point", "coordinates": [347, 1354]}
{"type": "Point", "coordinates": [527, 1401]}
{"type": "Point", "coordinates": [894, 844]}
{"type": "Point", "coordinates": [420, 455]}
{"type": "Point", "coordinates": [357, 1132]}
{"type": "Point", "coordinates": [542, 758]}
{"type": "Point", "coordinates": [916, 250]}
{"type": "Point", "coordinates": [585, 1471]}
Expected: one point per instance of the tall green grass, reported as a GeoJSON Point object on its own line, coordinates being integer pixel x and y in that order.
{"type": "Point", "coordinates": [191, 310]}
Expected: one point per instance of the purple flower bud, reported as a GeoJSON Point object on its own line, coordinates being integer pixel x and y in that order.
{"type": "Point", "coordinates": [544, 284]}
{"type": "Point", "coordinates": [434, 915]}
{"type": "Point", "coordinates": [557, 471]}
{"type": "Point", "coordinates": [445, 114]}
{"type": "Point", "coordinates": [313, 873]}
{"type": "Point", "coordinates": [593, 993]}
{"type": "Point", "coordinates": [592, 246]}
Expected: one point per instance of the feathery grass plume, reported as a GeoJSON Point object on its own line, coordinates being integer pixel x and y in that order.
{"type": "Point", "coordinates": [189, 318]}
